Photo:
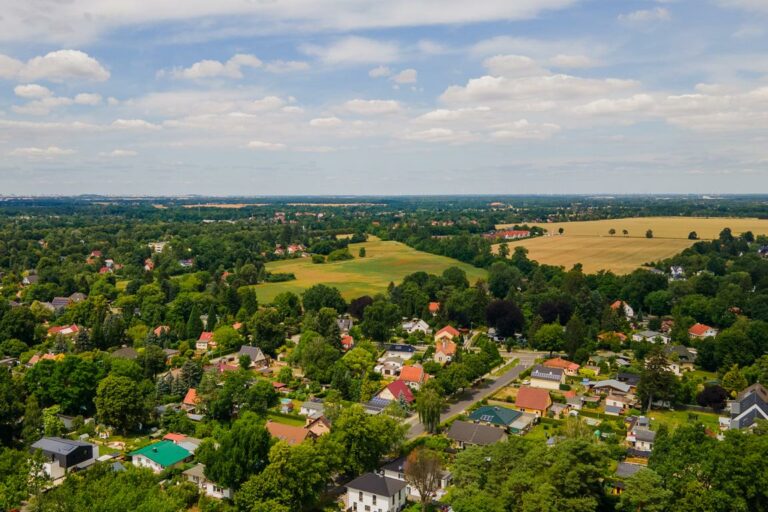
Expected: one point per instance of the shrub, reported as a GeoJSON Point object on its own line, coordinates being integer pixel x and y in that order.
{"type": "Point", "coordinates": [318, 258]}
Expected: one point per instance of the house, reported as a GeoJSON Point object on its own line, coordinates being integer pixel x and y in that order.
{"type": "Point", "coordinates": [570, 369]}
{"type": "Point", "coordinates": [376, 405]}
{"type": "Point", "coordinates": [676, 273]}
{"type": "Point", "coordinates": [396, 470]}
{"type": "Point", "coordinates": [495, 415]}
{"type": "Point", "coordinates": [624, 470]}
{"type": "Point", "coordinates": [196, 475]}
{"type": "Point", "coordinates": [447, 333]}
{"type": "Point", "coordinates": [187, 263]}
{"type": "Point", "coordinates": [64, 330]}
{"type": "Point", "coordinates": [547, 378]}
{"type": "Point", "coordinates": [644, 440]}
{"type": "Point", "coordinates": [149, 265]}
{"type": "Point", "coordinates": [559, 410]}
{"type": "Point", "coordinates": [397, 390]}
{"type": "Point", "coordinates": [190, 400]}
{"type": "Point", "coordinates": [286, 405]}
{"type": "Point", "coordinates": [126, 353]}
{"type": "Point", "coordinates": [404, 352]}
{"type": "Point", "coordinates": [59, 303]}
{"type": "Point", "coordinates": [160, 456]}
{"type": "Point", "coordinates": [434, 308]}
{"type": "Point", "coordinates": [701, 331]}
{"type": "Point", "coordinates": [347, 342]}
{"type": "Point", "coordinates": [258, 359]}
{"type": "Point", "coordinates": [416, 325]}
{"type": "Point", "coordinates": [157, 247]}
{"type": "Point", "coordinates": [611, 336]}
{"type": "Point", "coordinates": [318, 426]}
{"type": "Point", "coordinates": [414, 376]}
{"type": "Point", "coordinates": [345, 323]}
{"type": "Point", "coordinates": [374, 492]}
{"type": "Point", "coordinates": [619, 402]}
{"type": "Point", "coordinates": [389, 367]}
{"type": "Point", "coordinates": [681, 359]}
{"type": "Point", "coordinates": [623, 308]}
{"type": "Point", "coordinates": [288, 433]}
{"type": "Point", "coordinates": [610, 386]}
{"type": "Point", "coordinates": [464, 433]}
{"type": "Point", "coordinates": [205, 341]}
{"type": "Point", "coordinates": [749, 405]}
{"type": "Point", "coordinates": [64, 455]}
{"type": "Point", "coordinates": [191, 444]}
{"type": "Point", "coordinates": [523, 423]}
{"type": "Point", "coordinates": [763, 251]}
{"type": "Point", "coordinates": [445, 350]}
{"type": "Point", "coordinates": [30, 279]}
{"type": "Point", "coordinates": [312, 409]}
{"type": "Point", "coordinates": [45, 357]}
{"type": "Point", "coordinates": [651, 337]}
{"type": "Point", "coordinates": [629, 378]}
{"type": "Point", "coordinates": [533, 400]}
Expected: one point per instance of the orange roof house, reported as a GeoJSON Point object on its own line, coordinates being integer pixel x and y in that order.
{"type": "Point", "coordinates": [191, 399]}
{"type": "Point", "coordinates": [413, 375]}
{"type": "Point", "coordinates": [161, 329]}
{"type": "Point", "coordinates": [702, 331]}
{"type": "Point", "coordinates": [533, 400]}
{"type": "Point", "coordinates": [288, 433]}
{"type": "Point", "coordinates": [64, 330]}
{"type": "Point", "coordinates": [444, 351]}
{"type": "Point", "coordinates": [434, 307]}
{"type": "Point", "coordinates": [558, 362]}
{"type": "Point", "coordinates": [446, 333]}
{"type": "Point", "coordinates": [347, 342]}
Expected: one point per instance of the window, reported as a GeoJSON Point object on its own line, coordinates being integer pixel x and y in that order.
{"type": "Point", "coordinates": [360, 497]}
{"type": "Point", "coordinates": [374, 499]}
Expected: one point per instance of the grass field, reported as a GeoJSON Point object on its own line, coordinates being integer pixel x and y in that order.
{"type": "Point", "coordinates": [663, 227]}
{"type": "Point", "coordinates": [385, 262]}
{"type": "Point", "coordinates": [590, 244]}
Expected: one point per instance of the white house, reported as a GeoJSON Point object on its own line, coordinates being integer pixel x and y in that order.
{"type": "Point", "coordinates": [547, 378]}
{"type": "Point", "coordinates": [651, 337]}
{"type": "Point", "coordinates": [196, 475]}
{"type": "Point", "coordinates": [622, 307]}
{"type": "Point", "coordinates": [396, 470]}
{"type": "Point", "coordinates": [416, 325]}
{"type": "Point", "coordinates": [404, 352]}
{"type": "Point", "coordinates": [376, 493]}
{"type": "Point", "coordinates": [159, 456]}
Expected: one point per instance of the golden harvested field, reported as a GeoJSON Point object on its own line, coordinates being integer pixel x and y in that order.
{"type": "Point", "coordinates": [618, 254]}
{"type": "Point", "coordinates": [663, 227]}
{"type": "Point", "coordinates": [385, 262]}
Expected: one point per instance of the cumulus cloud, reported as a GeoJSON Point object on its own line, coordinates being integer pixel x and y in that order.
{"type": "Point", "coordinates": [379, 71]}
{"type": "Point", "coordinates": [286, 66]}
{"type": "Point", "coordinates": [406, 76]}
{"type": "Point", "coordinates": [572, 61]}
{"type": "Point", "coordinates": [120, 153]}
{"type": "Point", "coordinates": [513, 66]}
{"type": "Point", "coordinates": [266, 103]}
{"type": "Point", "coordinates": [134, 124]}
{"type": "Point", "coordinates": [354, 50]}
{"type": "Point", "coordinates": [524, 130]}
{"type": "Point", "coordinates": [42, 106]}
{"type": "Point", "coordinates": [442, 114]}
{"type": "Point", "coordinates": [233, 68]}
{"type": "Point", "coordinates": [85, 98]}
{"type": "Point", "coordinates": [440, 135]}
{"type": "Point", "coordinates": [35, 152]}
{"type": "Point", "coordinates": [266, 146]}
{"type": "Point", "coordinates": [372, 107]}
{"type": "Point", "coordinates": [634, 103]}
{"type": "Point", "coordinates": [325, 122]}
{"type": "Point", "coordinates": [646, 16]}
{"type": "Point", "coordinates": [32, 91]}
{"type": "Point", "coordinates": [56, 66]}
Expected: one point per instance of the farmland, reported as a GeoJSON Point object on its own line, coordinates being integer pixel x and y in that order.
{"type": "Point", "coordinates": [590, 243]}
{"type": "Point", "coordinates": [663, 227]}
{"type": "Point", "coordinates": [385, 262]}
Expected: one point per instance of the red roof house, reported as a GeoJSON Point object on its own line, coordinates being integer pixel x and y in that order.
{"type": "Point", "coordinates": [702, 331]}
{"type": "Point", "coordinates": [190, 399]}
{"type": "Point", "coordinates": [413, 375]}
{"type": "Point", "coordinates": [558, 362]}
{"type": "Point", "coordinates": [434, 307]}
{"type": "Point", "coordinates": [534, 400]}
{"type": "Point", "coordinates": [397, 390]}
{"type": "Point", "coordinates": [448, 332]}
{"type": "Point", "coordinates": [347, 342]}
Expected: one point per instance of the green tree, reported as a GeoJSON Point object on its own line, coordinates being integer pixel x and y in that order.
{"type": "Point", "coordinates": [52, 425]}
{"type": "Point", "coordinates": [379, 319]}
{"type": "Point", "coordinates": [365, 439]}
{"type": "Point", "coordinates": [122, 403]}
{"type": "Point", "coordinates": [733, 381]}
{"type": "Point", "coordinates": [549, 337]}
{"type": "Point", "coordinates": [649, 233]}
{"type": "Point", "coordinates": [657, 382]}
{"type": "Point", "coordinates": [322, 296]}
{"type": "Point", "coordinates": [645, 492]}
{"type": "Point", "coordinates": [268, 330]}
{"type": "Point", "coordinates": [429, 405]}
{"type": "Point", "coordinates": [194, 324]}
{"type": "Point", "coordinates": [361, 253]}
{"type": "Point", "coordinates": [33, 421]}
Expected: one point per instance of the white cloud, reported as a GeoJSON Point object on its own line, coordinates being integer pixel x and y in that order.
{"type": "Point", "coordinates": [372, 107]}
{"type": "Point", "coordinates": [85, 98]}
{"type": "Point", "coordinates": [749, 5]}
{"type": "Point", "coordinates": [634, 103]}
{"type": "Point", "coordinates": [63, 65]}
{"type": "Point", "coordinates": [513, 66]}
{"type": "Point", "coordinates": [215, 69]}
{"type": "Point", "coordinates": [121, 153]}
{"type": "Point", "coordinates": [646, 16]}
{"type": "Point", "coordinates": [286, 66]}
{"type": "Point", "coordinates": [266, 103]}
{"type": "Point", "coordinates": [292, 109]}
{"type": "Point", "coordinates": [572, 61]}
{"type": "Point", "coordinates": [406, 76]}
{"type": "Point", "coordinates": [459, 114]}
{"type": "Point", "coordinates": [266, 146]}
{"type": "Point", "coordinates": [379, 71]}
{"type": "Point", "coordinates": [315, 149]}
{"type": "Point", "coordinates": [428, 47]}
{"type": "Point", "coordinates": [42, 106]}
{"type": "Point", "coordinates": [354, 50]}
{"type": "Point", "coordinates": [440, 135]}
{"type": "Point", "coordinates": [524, 130]}
{"type": "Point", "coordinates": [325, 122]}
{"type": "Point", "coordinates": [134, 124]}
{"type": "Point", "coordinates": [9, 67]}
{"type": "Point", "coordinates": [49, 152]}
{"type": "Point", "coordinates": [32, 91]}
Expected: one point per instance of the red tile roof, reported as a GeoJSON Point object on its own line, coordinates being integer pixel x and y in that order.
{"type": "Point", "coordinates": [559, 362]}
{"type": "Point", "coordinates": [172, 436]}
{"type": "Point", "coordinates": [448, 329]}
{"type": "Point", "coordinates": [434, 307]}
{"type": "Point", "coordinates": [533, 398]}
{"type": "Point", "coordinates": [191, 397]}
{"type": "Point", "coordinates": [413, 373]}
{"type": "Point", "coordinates": [205, 336]}
{"type": "Point", "coordinates": [287, 433]}
{"type": "Point", "coordinates": [698, 329]}
{"type": "Point", "coordinates": [347, 342]}
{"type": "Point", "coordinates": [446, 347]}
{"type": "Point", "coordinates": [399, 388]}
{"type": "Point", "coordinates": [160, 329]}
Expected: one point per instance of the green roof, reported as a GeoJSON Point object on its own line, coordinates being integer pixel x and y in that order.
{"type": "Point", "coordinates": [164, 453]}
{"type": "Point", "coordinates": [495, 415]}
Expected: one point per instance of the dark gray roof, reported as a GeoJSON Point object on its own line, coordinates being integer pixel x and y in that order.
{"type": "Point", "coordinates": [643, 434]}
{"type": "Point", "coordinates": [397, 465]}
{"type": "Point", "coordinates": [473, 433]}
{"type": "Point", "coordinates": [546, 373]}
{"type": "Point", "coordinates": [629, 378]}
{"type": "Point", "coordinates": [58, 445]}
{"type": "Point", "coordinates": [376, 484]}
{"type": "Point", "coordinates": [254, 353]}
{"type": "Point", "coordinates": [626, 469]}
{"type": "Point", "coordinates": [401, 348]}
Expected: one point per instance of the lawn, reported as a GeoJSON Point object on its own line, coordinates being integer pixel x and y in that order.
{"type": "Point", "coordinates": [674, 419]}
{"type": "Point", "coordinates": [663, 227]}
{"type": "Point", "coordinates": [385, 262]}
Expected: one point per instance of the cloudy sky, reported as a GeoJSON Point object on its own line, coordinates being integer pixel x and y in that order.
{"type": "Point", "coordinates": [259, 97]}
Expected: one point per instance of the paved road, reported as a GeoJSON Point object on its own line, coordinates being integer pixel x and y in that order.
{"type": "Point", "coordinates": [470, 397]}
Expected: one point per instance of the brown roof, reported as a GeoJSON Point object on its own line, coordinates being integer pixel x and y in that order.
{"type": "Point", "coordinates": [446, 347]}
{"type": "Point", "coordinates": [288, 433]}
{"type": "Point", "coordinates": [448, 329]}
{"type": "Point", "coordinates": [191, 397]}
{"type": "Point", "coordinates": [698, 329]}
{"type": "Point", "coordinates": [559, 362]}
{"type": "Point", "coordinates": [533, 398]}
{"type": "Point", "coordinates": [413, 373]}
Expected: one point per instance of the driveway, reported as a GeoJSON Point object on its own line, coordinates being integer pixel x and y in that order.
{"type": "Point", "coordinates": [471, 396]}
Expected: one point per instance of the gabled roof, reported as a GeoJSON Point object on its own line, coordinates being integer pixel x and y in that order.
{"type": "Point", "coordinates": [191, 397]}
{"type": "Point", "coordinates": [755, 389]}
{"type": "Point", "coordinates": [446, 347]}
{"type": "Point", "coordinates": [545, 373]}
{"type": "Point", "coordinates": [448, 329]}
{"type": "Point", "coordinates": [160, 329]}
{"type": "Point", "coordinates": [698, 329]}
{"type": "Point", "coordinates": [377, 484]}
{"type": "Point", "coordinates": [434, 307]}
{"type": "Point", "coordinates": [500, 416]}
{"type": "Point", "coordinates": [164, 453]}
{"type": "Point", "coordinates": [612, 383]}
{"type": "Point", "coordinates": [174, 437]}
{"type": "Point", "coordinates": [125, 353]}
{"type": "Point", "coordinates": [474, 433]}
{"type": "Point", "coordinates": [559, 362]}
{"type": "Point", "coordinates": [205, 336]}
{"type": "Point", "coordinates": [288, 433]}
{"type": "Point", "coordinates": [414, 373]}
{"type": "Point", "coordinates": [254, 353]}
{"type": "Point", "coordinates": [533, 398]}
{"type": "Point", "coordinates": [401, 348]}
{"type": "Point", "coordinates": [58, 445]}
{"type": "Point", "coordinates": [399, 389]}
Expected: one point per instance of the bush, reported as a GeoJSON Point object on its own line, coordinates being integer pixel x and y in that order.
{"type": "Point", "coordinates": [318, 258]}
{"type": "Point", "coordinates": [340, 255]}
{"type": "Point", "coordinates": [279, 277]}
{"type": "Point", "coordinates": [565, 387]}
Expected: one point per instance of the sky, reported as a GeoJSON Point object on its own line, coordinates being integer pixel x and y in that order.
{"type": "Point", "coordinates": [359, 97]}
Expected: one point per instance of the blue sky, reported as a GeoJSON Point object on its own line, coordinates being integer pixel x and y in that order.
{"type": "Point", "coordinates": [370, 97]}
